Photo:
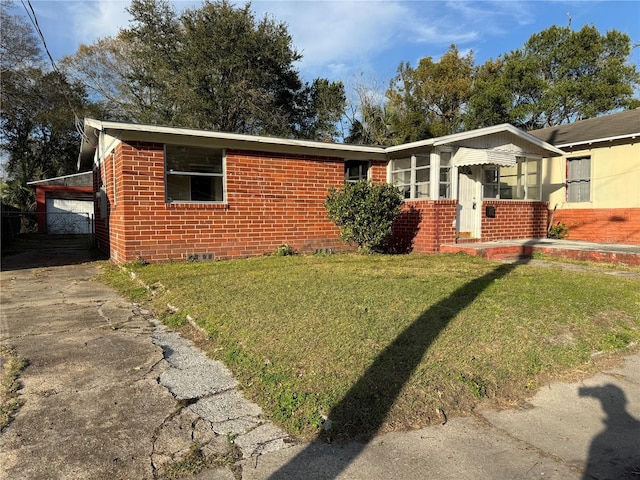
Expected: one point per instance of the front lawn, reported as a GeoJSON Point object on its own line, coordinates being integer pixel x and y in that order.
{"type": "Point", "coordinates": [379, 343]}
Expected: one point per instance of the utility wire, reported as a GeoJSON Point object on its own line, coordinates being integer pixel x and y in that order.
{"type": "Point", "coordinates": [34, 20]}
{"type": "Point", "coordinates": [31, 13]}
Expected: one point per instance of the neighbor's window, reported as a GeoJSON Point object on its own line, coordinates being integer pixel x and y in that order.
{"type": "Point", "coordinates": [579, 179]}
{"type": "Point", "coordinates": [411, 176]}
{"type": "Point", "coordinates": [194, 174]}
{"type": "Point", "coordinates": [355, 170]}
{"type": "Point", "coordinates": [518, 182]}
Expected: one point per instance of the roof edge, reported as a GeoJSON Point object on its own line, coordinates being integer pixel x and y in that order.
{"type": "Point", "coordinates": [253, 139]}
{"type": "Point", "coordinates": [600, 140]}
{"type": "Point", "coordinates": [37, 182]}
{"type": "Point", "coordinates": [457, 137]}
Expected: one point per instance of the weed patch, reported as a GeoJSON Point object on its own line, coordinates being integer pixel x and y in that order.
{"type": "Point", "coordinates": [10, 402]}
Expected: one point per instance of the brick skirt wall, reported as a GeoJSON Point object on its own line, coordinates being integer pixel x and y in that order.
{"type": "Point", "coordinates": [514, 220]}
{"type": "Point", "coordinates": [424, 225]}
{"type": "Point", "coordinates": [605, 225]}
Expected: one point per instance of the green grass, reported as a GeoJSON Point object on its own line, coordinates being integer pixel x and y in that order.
{"type": "Point", "coordinates": [380, 343]}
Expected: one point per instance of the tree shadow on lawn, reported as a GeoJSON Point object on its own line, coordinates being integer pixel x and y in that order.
{"type": "Point", "coordinates": [364, 408]}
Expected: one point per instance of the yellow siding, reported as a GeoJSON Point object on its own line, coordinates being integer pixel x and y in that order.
{"type": "Point", "coordinates": [615, 177]}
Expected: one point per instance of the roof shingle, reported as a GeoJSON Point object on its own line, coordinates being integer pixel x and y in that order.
{"type": "Point", "coordinates": [625, 123]}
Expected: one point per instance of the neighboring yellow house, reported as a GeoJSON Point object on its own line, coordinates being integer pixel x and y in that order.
{"type": "Point", "coordinates": [595, 187]}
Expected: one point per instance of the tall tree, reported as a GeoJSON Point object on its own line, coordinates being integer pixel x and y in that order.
{"type": "Point", "coordinates": [367, 116]}
{"type": "Point", "coordinates": [430, 100]}
{"type": "Point", "coordinates": [18, 46]}
{"type": "Point", "coordinates": [490, 102]}
{"type": "Point", "coordinates": [213, 67]}
{"type": "Point", "coordinates": [558, 76]}
{"type": "Point", "coordinates": [105, 68]}
{"type": "Point", "coordinates": [37, 115]}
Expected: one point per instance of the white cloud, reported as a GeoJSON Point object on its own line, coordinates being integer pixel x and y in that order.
{"type": "Point", "coordinates": [336, 38]}
{"type": "Point", "coordinates": [352, 34]}
{"type": "Point", "coordinates": [327, 32]}
{"type": "Point", "coordinates": [93, 20]}
{"type": "Point", "coordinates": [492, 17]}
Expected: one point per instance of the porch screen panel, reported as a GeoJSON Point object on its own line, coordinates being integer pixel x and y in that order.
{"type": "Point", "coordinates": [533, 179]}
{"type": "Point", "coordinates": [423, 175]}
{"type": "Point", "coordinates": [401, 175]}
{"type": "Point", "coordinates": [444, 187]}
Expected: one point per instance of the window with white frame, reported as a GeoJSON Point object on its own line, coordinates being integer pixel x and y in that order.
{"type": "Point", "coordinates": [444, 187]}
{"type": "Point", "coordinates": [517, 182]}
{"type": "Point", "coordinates": [194, 174]}
{"type": "Point", "coordinates": [411, 175]}
{"type": "Point", "coordinates": [579, 179]}
{"type": "Point", "coordinates": [355, 170]}
{"type": "Point", "coordinates": [490, 182]}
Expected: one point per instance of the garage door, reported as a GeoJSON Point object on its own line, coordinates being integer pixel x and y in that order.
{"type": "Point", "coordinates": [67, 216]}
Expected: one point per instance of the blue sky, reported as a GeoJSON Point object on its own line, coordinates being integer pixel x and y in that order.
{"type": "Point", "coordinates": [341, 40]}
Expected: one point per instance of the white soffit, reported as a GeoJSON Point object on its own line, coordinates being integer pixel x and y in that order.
{"type": "Point", "coordinates": [474, 156]}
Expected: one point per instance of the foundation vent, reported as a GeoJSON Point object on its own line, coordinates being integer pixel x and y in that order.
{"type": "Point", "coordinates": [200, 257]}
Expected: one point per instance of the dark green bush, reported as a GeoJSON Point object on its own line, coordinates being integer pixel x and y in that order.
{"type": "Point", "coordinates": [364, 212]}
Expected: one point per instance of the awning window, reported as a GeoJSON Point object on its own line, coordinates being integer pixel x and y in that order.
{"type": "Point", "coordinates": [474, 156]}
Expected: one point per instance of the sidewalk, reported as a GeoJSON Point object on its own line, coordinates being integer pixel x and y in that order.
{"type": "Point", "coordinates": [588, 430]}
{"type": "Point", "coordinates": [109, 394]}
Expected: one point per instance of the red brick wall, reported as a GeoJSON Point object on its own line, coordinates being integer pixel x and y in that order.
{"type": "Point", "coordinates": [514, 220]}
{"type": "Point", "coordinates": [606, 225]}
{"type": "Point", "coordinates": [272, 199]}
{"type": "Point", "coordinates": [424, 225]}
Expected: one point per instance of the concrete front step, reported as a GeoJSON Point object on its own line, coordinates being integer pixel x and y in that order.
{"type": "Point", "coordinates": [520, 249]}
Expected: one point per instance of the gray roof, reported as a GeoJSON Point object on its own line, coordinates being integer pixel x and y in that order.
{"type": "Point", "coordinates": [83, 179]}
{"type": "Point", "coordinates": [609, 127]}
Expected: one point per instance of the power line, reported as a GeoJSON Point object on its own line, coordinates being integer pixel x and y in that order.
{"type": "Point", "coordinates": [34, 20]}
{"type": "Point", "coordinates": [31, 13]}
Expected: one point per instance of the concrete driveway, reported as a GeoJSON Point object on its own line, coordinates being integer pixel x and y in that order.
{"type": "Point", "coordinates": [92, 402]}
{"type": "Point", "coordinates": [109, 394]}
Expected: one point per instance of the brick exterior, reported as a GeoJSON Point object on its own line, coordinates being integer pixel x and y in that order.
{"type": "Point", "coordinates": [514, 220]}
{"type": "Point", "coordinates": [272, 199]}
{"type": "Point", "coordinates": [424, 225]}
{"type": "Point", "coordinates": [607, 225]}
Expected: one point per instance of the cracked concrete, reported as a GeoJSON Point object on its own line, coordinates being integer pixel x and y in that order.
{"type": "Point", "coordinates": [110, 392]}
{"type": "Point", "coordinates": [90, 389]}
{"type": "Point", "coordinates": [215, 414]}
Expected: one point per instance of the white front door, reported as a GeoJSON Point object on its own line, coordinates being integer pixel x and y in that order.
{"type": "Point", "coordinates": [468, 220]}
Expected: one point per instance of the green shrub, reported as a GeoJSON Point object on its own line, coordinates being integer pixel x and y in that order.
{"type": "Point", "coordinates": [283, 250]}
{"type": "Point", "coordinates": [364, 212]}
{"type": "Point", "coordinates": [559, 231]}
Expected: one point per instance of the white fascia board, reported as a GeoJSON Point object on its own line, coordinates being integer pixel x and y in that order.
{"type": "Point", "coordinates": [501, 128]}
{"type": "Point", "coordinates": [410, 146]}
{"type": "Point", "coordinates": [480, 132]}
{"type": "Point", "coordinates": [250, 140]}
{"type": "Point", "coordinates": [631, 136]}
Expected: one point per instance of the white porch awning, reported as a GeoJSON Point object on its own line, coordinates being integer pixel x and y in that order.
{"type": "Point", "coordinates": [475, 156]}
